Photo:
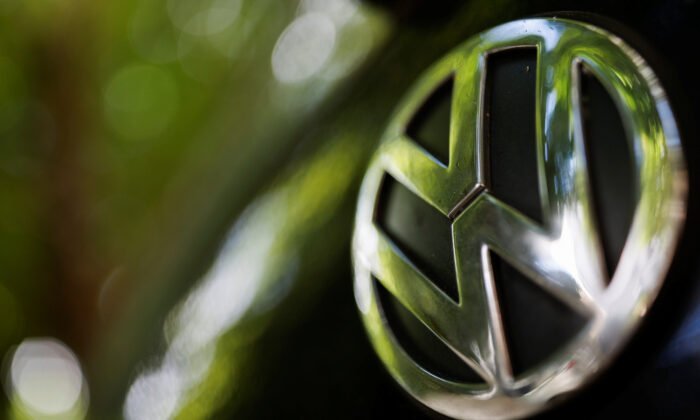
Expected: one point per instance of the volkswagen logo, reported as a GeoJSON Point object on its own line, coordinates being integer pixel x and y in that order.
{"type": "Point", "coordinates": [561, 253]}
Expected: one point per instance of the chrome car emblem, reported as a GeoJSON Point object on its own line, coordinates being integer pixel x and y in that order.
{"type": "Point", "coordinates": [562, 254]}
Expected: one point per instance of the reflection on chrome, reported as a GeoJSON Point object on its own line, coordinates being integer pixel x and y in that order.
{"type": "Point", "coordinates": [45, 381]}
{"type": "Point", "coordinates": [563, 256]}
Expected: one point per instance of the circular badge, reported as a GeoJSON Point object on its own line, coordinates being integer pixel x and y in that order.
{"type": "Point", "coordinates": [562, 253]}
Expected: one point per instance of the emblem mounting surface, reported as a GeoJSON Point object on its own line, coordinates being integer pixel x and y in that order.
{"type": "Point", "coordinates": [563, 255]}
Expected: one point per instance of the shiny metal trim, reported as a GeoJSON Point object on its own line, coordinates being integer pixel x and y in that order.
{"type": "Point", "coordinates": [564, 255]}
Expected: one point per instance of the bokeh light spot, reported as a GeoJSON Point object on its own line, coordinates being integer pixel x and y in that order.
{"type": "Point", "coordinates": [303, 48]}
{"type": "Point", "coordinates": [340, 11]}
{"type": "Point", "coordinates": [203, 17]}
{"type": "Point", "coordinates": [140, 101]}
{"type": "Point", "coordinates": [46, 380]}
{"type": "Point", "coordinates": [153, 396]}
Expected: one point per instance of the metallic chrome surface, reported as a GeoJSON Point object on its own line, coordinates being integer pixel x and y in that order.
{"type": "Point", "coordinates": [564, 256]}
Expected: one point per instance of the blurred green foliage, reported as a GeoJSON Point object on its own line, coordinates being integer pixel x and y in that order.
{"type": "Point", "coordinates": [124, 129]}
{"type": "Point", "coordinates": [133, 134]}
